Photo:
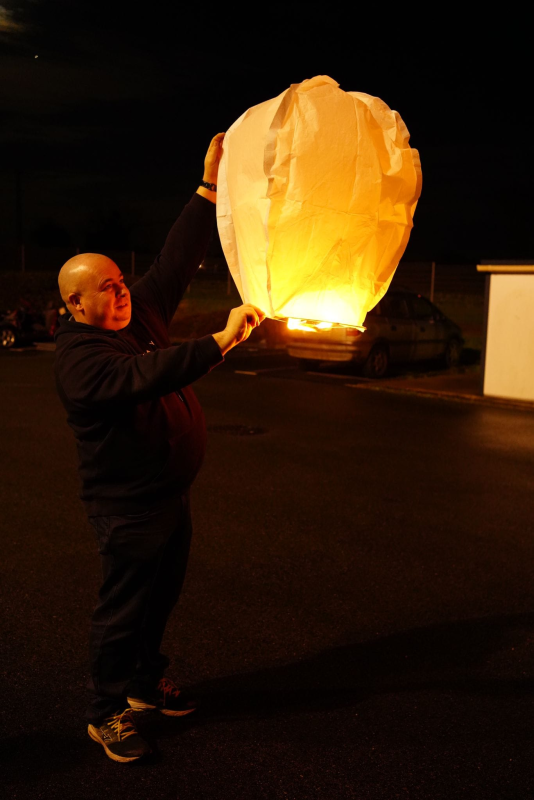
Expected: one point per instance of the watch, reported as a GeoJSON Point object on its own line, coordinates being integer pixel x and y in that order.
{"type": "Point", "coordinates": [211, 186]}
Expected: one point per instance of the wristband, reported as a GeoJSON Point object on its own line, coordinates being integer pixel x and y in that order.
{"type": "Point", "coordinates": [211, 186]}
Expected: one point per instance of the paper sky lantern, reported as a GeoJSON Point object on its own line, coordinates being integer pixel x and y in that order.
{"type": "Point", "coordinates": [316, 193]}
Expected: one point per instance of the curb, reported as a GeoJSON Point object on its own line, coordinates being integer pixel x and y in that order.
{"type": "Point", "coordinates": [458, 397]}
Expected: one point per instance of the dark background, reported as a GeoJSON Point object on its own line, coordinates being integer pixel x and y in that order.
{"type": "Point", "coordinates": [105, 132]}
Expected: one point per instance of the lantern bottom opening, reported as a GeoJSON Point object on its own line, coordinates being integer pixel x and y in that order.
{"type": "Point", "coordinates": [315, 325]}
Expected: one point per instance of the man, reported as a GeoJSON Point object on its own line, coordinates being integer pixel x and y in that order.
{"type": "Point", "coordinates": [140, 434]}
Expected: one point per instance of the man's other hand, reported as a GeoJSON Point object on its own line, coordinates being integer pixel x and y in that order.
{"type": "Point", "coordinates": [240, 324]}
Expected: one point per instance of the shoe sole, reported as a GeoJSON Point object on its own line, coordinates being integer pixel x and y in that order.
{"type": "Point", "coordinates": [139, 705]}
{"type": "Point", "coordinates": [114, 757]}
{"type": "Point", "coordinates": [169, 713]}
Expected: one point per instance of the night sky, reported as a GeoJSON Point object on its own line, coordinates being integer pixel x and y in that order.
{"type": "Point", "coordinates": [107, 128]}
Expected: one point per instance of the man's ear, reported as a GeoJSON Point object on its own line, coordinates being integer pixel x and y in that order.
{"type": "Point", "coordinates": [75, 300]}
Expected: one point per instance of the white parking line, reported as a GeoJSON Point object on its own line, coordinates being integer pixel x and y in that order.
{"type": "Point", "coordinates": [339, 377]}
{"type": "Point", "coordinates": [326, 375]}
{"type": "Point", "coordinates": [275, 369]}
{"type": "Point", "coordinates": [244, 372]}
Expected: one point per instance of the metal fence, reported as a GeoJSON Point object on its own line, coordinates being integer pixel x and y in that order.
{"type": "Point", "coordinates": [34, 258]}
{"type": "Point", "coordinates": [431, 279]}
{"type": "Point", "coordinates": [427, 278]}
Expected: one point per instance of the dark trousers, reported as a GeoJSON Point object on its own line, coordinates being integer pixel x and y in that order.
{"type": "Point", "coordinates": [144, 559]}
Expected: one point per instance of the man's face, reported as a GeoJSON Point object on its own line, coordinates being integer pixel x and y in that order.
{"type": "Point", "coordinates": [105, 299]}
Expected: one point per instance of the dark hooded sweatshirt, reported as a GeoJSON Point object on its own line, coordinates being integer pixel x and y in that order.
{"type": "Point", "coordinates": [139, 428]}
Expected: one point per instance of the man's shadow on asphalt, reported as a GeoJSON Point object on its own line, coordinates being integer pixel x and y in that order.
{"type": "Point", "coordinates": [451, 656]}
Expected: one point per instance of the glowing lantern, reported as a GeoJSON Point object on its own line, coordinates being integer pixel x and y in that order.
{"type": "Point", "coordinates": [316, 193]}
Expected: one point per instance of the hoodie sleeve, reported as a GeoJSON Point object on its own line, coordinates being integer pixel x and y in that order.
{"type": "Point", "coordinates": [164, 285]}
{"type": "Point", "coordinates": [92, 373]}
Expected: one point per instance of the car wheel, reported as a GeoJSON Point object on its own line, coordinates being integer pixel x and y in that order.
{"type": "Point", "coordinates": [7, 338]}
{"type": "Point", "coordinates": [377, 363]}
{"type": "Point", "coordinates": [308, 363]}
{"type": "Point", "coordinates": [453, 353]}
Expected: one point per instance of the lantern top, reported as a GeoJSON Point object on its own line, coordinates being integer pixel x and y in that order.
{"type": "Point", "coordinates": [312, 83]}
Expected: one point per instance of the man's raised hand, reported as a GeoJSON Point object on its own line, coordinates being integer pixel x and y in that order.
{"type": "Point", "coordinates": [241, 322]}
{"type": "Point", "coordinates": [213, 157]}
{"type": "Point", "coordinates": [211, 167]}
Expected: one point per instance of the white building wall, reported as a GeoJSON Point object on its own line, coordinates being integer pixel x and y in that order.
{"type": "Point", "coordinates": [509, 359]}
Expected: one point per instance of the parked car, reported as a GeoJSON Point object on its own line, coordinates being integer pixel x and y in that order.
{"type": "Point", "coordinates": [22, 326]}
{"type": "Point", "coordinates": [403, 327]}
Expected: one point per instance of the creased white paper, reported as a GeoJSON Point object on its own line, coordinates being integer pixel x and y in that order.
{"type": "Point", "coordinates": [316, 194]}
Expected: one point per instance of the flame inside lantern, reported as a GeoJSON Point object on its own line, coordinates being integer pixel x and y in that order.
{"type": "Point", "coordinates": [314, 325]}
{"type": "Point", "coordinates": [325, 306]}
{"type": "Point", "coordinates": [308, 325]}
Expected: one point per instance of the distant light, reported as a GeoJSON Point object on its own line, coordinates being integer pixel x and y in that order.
{"type": "Point", "coordinates": [36, 56]}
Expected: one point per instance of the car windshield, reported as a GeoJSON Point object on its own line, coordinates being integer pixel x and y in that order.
{"type": "Point", "coordinates": [421, 308]}
{"type": "Point", "coordinates": [395, 306]}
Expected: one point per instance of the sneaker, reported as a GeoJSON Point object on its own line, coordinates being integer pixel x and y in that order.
{"type": "Point", "coordinates": [167, 698]}
{"type": "Point", "coordinates": [119, 737]}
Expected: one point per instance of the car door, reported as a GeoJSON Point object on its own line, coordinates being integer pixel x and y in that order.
{"type": "Point", "coordinates": [427, 340]}
{"type": "Point", "coordinates": [398, 327]}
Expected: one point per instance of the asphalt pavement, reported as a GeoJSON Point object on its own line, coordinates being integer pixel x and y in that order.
{"type": "Point", "coordinates": [358, 615]}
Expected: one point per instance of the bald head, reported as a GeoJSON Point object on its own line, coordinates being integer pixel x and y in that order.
{"type": "Point", "coordinates": [92, 286]}
{"type": "Point", "coordinates": [77, 271]}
